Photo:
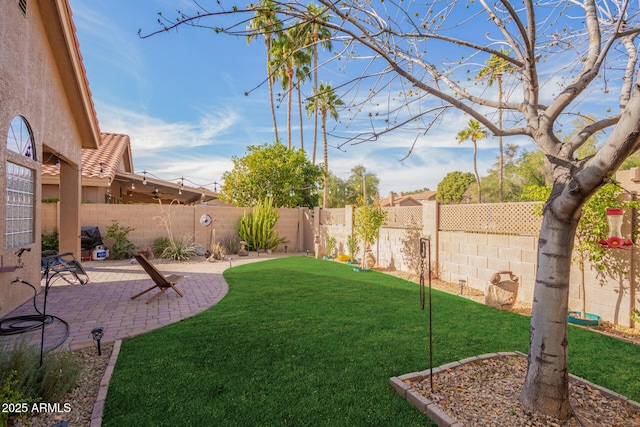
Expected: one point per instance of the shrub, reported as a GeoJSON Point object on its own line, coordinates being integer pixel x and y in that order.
{"type": "Point", "coordinates": [59, 372]}
{"type": "Point", "coordinates": [331, 245]}
{"type": "Point", "coordinates": [50, 241]}
{"type": "Point", "coordinates": [256, 228]}
{"type": "Point", "coordinates": [352, 246]}
{"type": "Point", "coordinates": [231, 244]}
{"type": "Point", "coordinates": [217, 251]}
{"type": "Point", "coordinates": [160, 244]}
{"type": "Point", "coordinates": [122, 246]}
{"type": "Point", "coordinates": [8, 394]}
{"type": "Point", "coordinates": [179, 250]}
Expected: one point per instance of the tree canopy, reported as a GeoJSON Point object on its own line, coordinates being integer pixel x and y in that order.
{"type": "Point", "coordinates": [453, 187]}
{"type": "Point", "coordinates": [272, 171]}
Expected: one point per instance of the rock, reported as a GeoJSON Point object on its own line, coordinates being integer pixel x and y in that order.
{"type": "Point", "coordinates": [502, 294]}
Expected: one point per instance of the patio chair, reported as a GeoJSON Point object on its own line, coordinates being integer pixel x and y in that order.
{"type": "Point", "coordinates": [161, 281]}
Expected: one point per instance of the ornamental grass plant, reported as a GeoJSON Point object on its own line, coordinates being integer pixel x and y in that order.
{"type": "Point", "coordinates": [303, 342]}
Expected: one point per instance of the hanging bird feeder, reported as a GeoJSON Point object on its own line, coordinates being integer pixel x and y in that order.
{"type": "Point", "coordinates": [615, 239]}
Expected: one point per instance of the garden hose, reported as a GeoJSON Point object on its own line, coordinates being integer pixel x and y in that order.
{"type": "Point", "coordinates": [31, 322]}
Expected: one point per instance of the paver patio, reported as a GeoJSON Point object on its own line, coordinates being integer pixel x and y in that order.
{"type": "Point", "coordinates": [106, 300]}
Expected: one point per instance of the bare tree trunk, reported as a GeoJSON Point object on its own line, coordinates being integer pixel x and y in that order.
{"type": "Point", "coordinates": [546, 388]}
{"type": "Point", "coordinates": [501, 158]}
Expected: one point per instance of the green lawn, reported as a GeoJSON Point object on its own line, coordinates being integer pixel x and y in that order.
{"type": "Point", "coordinates": [305, 342]}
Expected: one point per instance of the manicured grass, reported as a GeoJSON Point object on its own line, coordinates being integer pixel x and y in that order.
{"type": "Point", "coordinates": [305, 342]}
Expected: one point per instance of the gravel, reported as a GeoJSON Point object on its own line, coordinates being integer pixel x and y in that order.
{"type": "Point", "coordinates": [76, 406]}
{"type": "Point", "coordinates": [486, 393]}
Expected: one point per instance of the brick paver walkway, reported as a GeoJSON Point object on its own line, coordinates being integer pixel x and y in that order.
{"type": "Point", "coordinates": [106, 300]}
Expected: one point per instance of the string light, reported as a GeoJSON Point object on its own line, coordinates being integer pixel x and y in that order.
{"type": "Point", "coordinates": [57, 162]}
{"type": "Point", "coordinates": [101, 171]}
{"type": "Point", "coordinates": [183, 180]}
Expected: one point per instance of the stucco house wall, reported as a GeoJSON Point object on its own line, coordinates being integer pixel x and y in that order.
{"type": "Point", "coordinates": [42, 80]}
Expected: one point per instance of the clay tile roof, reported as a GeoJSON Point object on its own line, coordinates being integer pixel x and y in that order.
{"type": "Point", "coordinates": [110, 154]}
{"type": "Point", "coordinates": [425, 195]}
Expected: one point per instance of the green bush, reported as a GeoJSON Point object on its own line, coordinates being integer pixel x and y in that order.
{"type": "Point", "coordinates": [330, 245]}
{"type": "Point", "coordinates": [352, 246]}
{"type": "Point", "coordinates": [160, 244]}
{"type": "Point", "coordinates": [50, 241]}
{"type": "Point", "coordinates": [122, 247]}
{"type": "Point", "coordinates": [59, 372]}
{"type": "Point", "coordinates": [256, 228]}
{"type": "Point", "coordinates": [8, 394]}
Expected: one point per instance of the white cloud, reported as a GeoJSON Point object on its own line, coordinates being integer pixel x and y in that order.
{"type": "Point", "coordinates": [150, 134]}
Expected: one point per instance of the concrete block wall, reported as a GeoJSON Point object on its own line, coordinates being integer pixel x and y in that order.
{"type": "Point", "coordinates": [475, 257]}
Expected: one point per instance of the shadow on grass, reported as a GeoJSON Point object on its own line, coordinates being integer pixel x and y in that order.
{"type": "Point", "coordinates": [300, 341]}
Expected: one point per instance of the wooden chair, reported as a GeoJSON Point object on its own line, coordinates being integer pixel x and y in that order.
{"type": "Point", "coordinates": [161, 281]}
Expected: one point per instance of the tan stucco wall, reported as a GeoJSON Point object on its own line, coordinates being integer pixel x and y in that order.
{"type": "Point", "coordinates": [31, 85]}
{"type": "Point", "coordinates": [148, 222]}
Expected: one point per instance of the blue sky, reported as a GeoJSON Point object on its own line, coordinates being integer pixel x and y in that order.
{"type": "Point", "coordinates": [181, 98]}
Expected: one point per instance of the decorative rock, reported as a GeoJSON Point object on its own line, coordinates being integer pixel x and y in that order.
{"type": "Point", "coordinates": [502, 294]}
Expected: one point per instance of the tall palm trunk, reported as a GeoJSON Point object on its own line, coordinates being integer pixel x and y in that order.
{"type": "Point", "coordinates": [546, 386]}
{"type": "Point", "coordinates": [270, 82]}
{"type": "Point", "coordinates": [315, 93]}
{"type": "Point", "coordinates": [300, 114]}
{"type": "Point", "coordinates": [475, 168]}
{"type": "Point", "coordinates": [289, 102]}
{"type": "Point", "coordinates": [325, 196]}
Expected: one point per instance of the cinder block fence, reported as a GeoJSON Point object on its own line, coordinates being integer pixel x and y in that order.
{"type": "Point", "coordinates": [468, 242]}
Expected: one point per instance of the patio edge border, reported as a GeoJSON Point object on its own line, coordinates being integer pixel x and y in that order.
{"type": "Point", "coordinates": [98, 407]}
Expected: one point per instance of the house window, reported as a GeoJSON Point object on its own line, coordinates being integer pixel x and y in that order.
{"type": "Point", "coordinates": [20, 197]}
{"type": "Point", "coordinates": [20, 202]}
{"type": "Point", "coordinates": [20, 138]}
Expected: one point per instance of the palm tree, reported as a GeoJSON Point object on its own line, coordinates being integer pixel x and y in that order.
{"type": "Point", "coordinates": [474, 132]}
{"type": "Point", "coordinates": [287, 57]}
{"type": "Point", "coordinates": [316, 34]}
{"type": "Point", "coordinates": [302, 61]}
{"type": "Point", "coordinates": [496, 67]}
{"type": "Point", "coordinates": [266, 22]}
{"type": "Point", "coordinates": [302, 72]}
{"type": "Point", "coordinates": [326, 102]}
